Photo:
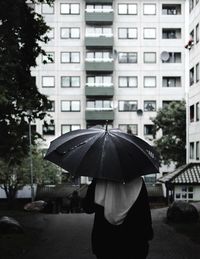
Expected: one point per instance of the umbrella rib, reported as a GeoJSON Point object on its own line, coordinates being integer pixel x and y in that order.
{"type": "Point", "coordinates": [141, 149]}
{"type": "Point", "coordinates": [80, 164]}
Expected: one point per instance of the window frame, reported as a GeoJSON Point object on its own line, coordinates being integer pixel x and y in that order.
{"type": "Point", "coordinates": [127, 33]}
{"type": "Point", "coordinates": [70, 105]}
{"type": "Point", "coordinates": [70, 57]}
{"type": "Point", "coordinates": [150, 62]}
{"type": "Point", "coordinates": [149, 4]}
{"type": "Point", "coordinates": [128, 103]}
{"type": "Point", "coordinates": [70, 32]}
{"type": "Point", "coordinates": [70, 81]}
{"type": "Point", "coordinates": [127, 9]}
{"type": "Point", "coordinates": [128, 78]}
{"type": "Point", "coordinates": [127, 56]}
{"type": "Point", "coordinates": [149, 38]}
{"type": "Point", "coordinates": [70, 8]}
{"type": "Point", "coordinates": [45, 86]}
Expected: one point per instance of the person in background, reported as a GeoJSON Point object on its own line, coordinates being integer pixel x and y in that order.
{"type": "Point", "coordinates": [75, 203]}
{"type": "Point", "coordinates": [122, 225]}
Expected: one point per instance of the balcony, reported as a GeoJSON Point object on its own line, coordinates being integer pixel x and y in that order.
{"type": "Point", "coordinates": [99, 1]}
{"type": "Point", "coordinates": [99, 65]}
{"type": "Point", "coordinates": [99, 91]}
{"type": "Point", "coordinates": [99, 41]}
{"type": "Point", "coordinates": [100, 115]}
{"type": "Point", "coordinates": [99, 17]}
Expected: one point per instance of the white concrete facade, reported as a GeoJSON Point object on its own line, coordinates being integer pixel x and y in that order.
{"type": "Point", "coordinates": [159, 21]}
{"type": "Point", "coordinates": [193, 120]}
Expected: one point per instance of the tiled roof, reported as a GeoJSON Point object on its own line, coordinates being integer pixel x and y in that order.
{"type": "Point", "coordinates": [186, 174]}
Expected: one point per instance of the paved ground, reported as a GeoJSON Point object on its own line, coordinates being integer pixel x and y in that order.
{"type": "Point", "coordinates": [67, 236]}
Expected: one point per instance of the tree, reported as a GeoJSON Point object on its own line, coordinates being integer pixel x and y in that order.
{"type": "Point", "coordinates": [171, 121]}
{"type": "Point", "coordinates": [21, 32]}
{"type": "Point", "coordinates": [44, 173]}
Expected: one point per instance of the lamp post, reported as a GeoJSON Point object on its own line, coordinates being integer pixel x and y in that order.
{"type": "Point", "coordinates": [30, 155]}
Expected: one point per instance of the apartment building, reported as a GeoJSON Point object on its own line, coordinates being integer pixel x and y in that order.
{"type": "Point", "coordinates": [193, 120]}
{"type": "Point", "coordinates": [113, 62]}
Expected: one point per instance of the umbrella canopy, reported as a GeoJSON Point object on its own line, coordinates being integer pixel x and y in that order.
{"type": "Point", "coordinates": [102, 154]}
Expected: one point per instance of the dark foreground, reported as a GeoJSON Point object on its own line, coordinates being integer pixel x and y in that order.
{"type": "Point", "coordinates": [67, 236]}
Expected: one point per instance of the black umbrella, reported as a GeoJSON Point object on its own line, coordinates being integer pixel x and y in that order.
{"type": "Point", "coordinates": [98, 153]}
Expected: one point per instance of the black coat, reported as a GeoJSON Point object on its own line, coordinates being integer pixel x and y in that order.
{"type": "Point", "coordinates": [120, 241]}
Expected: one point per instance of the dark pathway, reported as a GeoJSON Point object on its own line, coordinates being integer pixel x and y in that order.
{"type": "Point", "coordinates": [67, 236]}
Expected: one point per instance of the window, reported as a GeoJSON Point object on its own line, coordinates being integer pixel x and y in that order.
{"type": "Point", "coordinates": [149, 9]}
{"type": "Point", "coordinates": [191, 5]}
{"type": "Point", "coordinates": [149, 33]}
{"type": "Point", "coordinates": [70, 81]}
{"type": "Point", "coordinates": [126, 106]}
{"type": "Point", "coordinates": [129, 128]}
{"type": "Point", "coordinates": [197, 111]}
{"type": "Point", "coordinates": [70, 8]}
{"type": "Point", "coordinates": [70, 57]}
{"type": "Point", "coordinates": [186, 193]}
{"type": "Point", "coordinates": [47, 9]}
{"type": "Point", "coordinates": [127, 9]}
{"type": "Point", "coordinates": [197, 150]}
{"type": "Point", "coordinates": [127, 33]}
{"type": "Point", "coordinates": [98, 8]}
{"type": "Point", "coordinates": [171, 33]}
{"type": "Point", "coordinates": [171, 81]}
{"type": "Point", "coordinates": [197, 72]}
{"type": "Point", "coordinates": [70, 106]}
{"type": "Point", "coordinates": [52, 109]}
{"type": "Point", "coordinates": [69, 127]}
{"type": "Point", "coordinates": [48, 128]}
{"type": "Point", "coordinates": [50, 33]}
{"type": "Point", "coordinates": [197, 33]}
{"type": "Point", "coordinates": [149, 106]}
{"type": "Point", "coordinates": [99, 31]}
{"type": "Point", "coordinates": [149, 57]}
{"type": "Point", "coordinates": [191, 150]}
{"type": "Point", "coordinates": [173, 57]}
{"type": "Point", "coordinates": [128, 81]}
{"type": "Point", "coordinates": [99, 56]}
{"type": "Point", "coordinates": [99, 81]}
{"type": "Point", "coordinates": [127, 57]}
{"type": "Point", "coordinates": [70, 33]}
{"type": "Point", "coordinates": [171, 9]}
{"type": "Point", "coordinates": [49, 58]}
{"type": "Point", "coordinates": [48, 81]}
{"type": "Point", "coordinates": [150, 81]}
{"type": "Point", "coordinates": [191, 113]}
{"type": "Point", "coordinates": [99, 105]}
{"type": "Point", "coordinates": [192, 76]}
{"type": "Point", "coordinates": [148, 129]}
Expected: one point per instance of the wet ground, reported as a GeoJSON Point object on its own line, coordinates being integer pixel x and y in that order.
{"type": "Point", "coordinates": [67, 236]}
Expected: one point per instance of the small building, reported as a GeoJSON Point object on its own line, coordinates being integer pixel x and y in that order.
{"type": "Point", "coordinates": [183, 183]}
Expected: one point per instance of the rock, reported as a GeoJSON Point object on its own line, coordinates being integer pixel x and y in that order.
{"type": "Point", "coordinates": [35, 206]}
{"type": "Point", "coordinates": [9, 225]}
{"type": "Point", "coordinates": [181, 211]}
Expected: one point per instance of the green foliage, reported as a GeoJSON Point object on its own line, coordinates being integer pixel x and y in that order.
{"type": "Point", "coordinates": [13, 179]}
{"type": "Point", "coordinates": [21, 32]}
{"type": "Point", "coordinates": [171, 121]}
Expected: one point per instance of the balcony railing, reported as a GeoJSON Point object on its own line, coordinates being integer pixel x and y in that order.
{"type": "Point", "coordinates": [106, 65]}
{"type": "Point", "coordinates": [99, 91]}
{"type": "Point", "coordinates": [99, 114]}
{"type": "Point", "coordinates": [99, 16]}
{"type": "Point", "coordinates": [99, 41]}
